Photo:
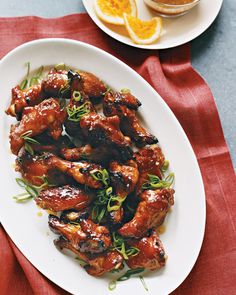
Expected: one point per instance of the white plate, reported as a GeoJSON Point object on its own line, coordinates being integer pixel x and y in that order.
{"type": "Point", "coordinates": [176, 31]}
{"type": "Point", "coordinates": [184, 225]}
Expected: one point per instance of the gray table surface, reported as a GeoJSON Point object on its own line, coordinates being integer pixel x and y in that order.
{"type": "Point", "coordinates": [213, 53]}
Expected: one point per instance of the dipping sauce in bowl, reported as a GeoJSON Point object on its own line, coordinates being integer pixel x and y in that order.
{"type": "Point", "coordinates": [171, 8]}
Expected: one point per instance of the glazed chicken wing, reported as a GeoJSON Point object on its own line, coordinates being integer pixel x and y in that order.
{"type": "Point", "coordinates": [151, 253]}
{"type": "Point", "coordinates": [124, 177]}
{"type": "Point", "coordinates": [96, 265]}
{"type": "Point", "coordinates": [85, 236]}
{"type": "Point", "coordinates": [48, 115]}
{"type": "Point", "coordinates": [34, 168]}
{"type": "Point", "coordinates": [24, 98]}
{"type": "Point", "coordinates": [80, 171]}
{"type": "Point", "coordinates": [63, 198]}
{"type": "Point", "coordinates": [89, 84]}
{"type": "Point", "coordinates": [55, 83]}
{"type": "Point", "coordinates": [149, 160]}
{"type": "Point", "coordinates": [99, 130]}
{"type": "Point", "coordinates": [124, 106]}
{"type": "Point", "coordinates": [100, 154]}
{"type": "Point", "coordinates": [150, 213]}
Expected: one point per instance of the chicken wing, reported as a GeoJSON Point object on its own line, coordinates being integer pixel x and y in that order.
{"type": "Point", "coordinates": [81, 171]}
{"type": "Point", "coordinates": [151, 253]}
{"type": "Point", "coordinates": [124, 178]}
{"type": "Point", "coordinates": [48, 115]}
{"type": "Point", "coordinates": [63, 198]}
{"type": "Point", "coordinates": [89, 84]}
{"type": "Point", "coordinates": [56, 84]}
{"type": "Point", "coordinates": [150, 213]}
{"type": "Point", "coordinates": [35, 168]}
{"type": "Point", "coordinates": [100, 154]}
{"type": "Point", "coordinates": [85, 236]}
{"type": "Point", "coordinates": [24, 98]}
{"type": "Point", "coordinates": [95, 265]}
{"type": "Point", "coordinates": [99, 130]}
{"type": "Point", "coordinates": [121, 105]}
{"type": "Point", "coordinates": [149, 160]}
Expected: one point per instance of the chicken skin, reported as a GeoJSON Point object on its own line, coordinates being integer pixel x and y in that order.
{"type": "Point", "coordinates": [124, 106]}
{"type": "Point", "coordinates": [149, 160]}
{"type": "Point", "coordinates": [85, 236]}
{"type": "Point", "coordinates": [56, 83]}
{"type": "Point", "coordinates": [99, 130]}
{"type": "Point", "coordinates": [81, 171]}
{"type": "Point", "coordinates": [100, 154]}
{"type": "Point", "coordinates": [124, 178]}
{"type": "Point", "coordinates": [96, 265]}
{"type": "Point", "coordinates": [63, 198]}
{"type": "Point", "coordinates": [150, 213]}
{"type": "Point", "coordinates": [151, 253]}
{"type": "Point", "coordinates": [24, 98]}
{"type": "Point", "coordinates": [48, 115]}
{"type": "Point", "coordinates": [35, 168]}
{"type": "Point", "coordinates": [89, 84]}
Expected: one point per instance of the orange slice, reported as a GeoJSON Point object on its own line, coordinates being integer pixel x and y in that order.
{"type": "Point", "coordinates": [111, 11]}
{"type": "Point", "coordinates": [143, 32]}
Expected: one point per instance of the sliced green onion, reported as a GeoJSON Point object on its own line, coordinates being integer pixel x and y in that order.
{"type": "Point", "coordinates": [112, 285]}
{"type": "Point", "coordinates": [118, 203]}
{"type": "Point", "coordinates": [130, 273]}
{"type": "Point", "coordinates": [22, 198]}
{"type": "Point", "coordinates": [29, 149]}
{"type": "Point", "coordinates": [76, 113]}
{"type": "Point", "coordinates": [21, 182]}
{"type": "Point", "coordinates": [60, 67]}
{"type": "Point", "coordinates": [165, 166]}
{"type": "Point", "coordinates": [31, 191]}
{"type": "Point", "coordinates": [28, 141]}
{"type": "Point", "coordinates": [120, 246]}
{"type": "Point", "coordinates": [132, 251]}
{"type": "Point", "coordinates": [101, 175]}
{"type": "Point", "coordinates": [125, 90]}
{"type": "Point", "coordinates": [144, 283]}
{"type": "Point", "coordinates": [155, 182]}
{"type": "Point", "coordinates": [33, 81]}
{"type": "Point", "coordinates": [76, 95]}
{"type": "Point", "coordinates": [24, 83]}
{"type": "Point", "coordinates": [39, 72]}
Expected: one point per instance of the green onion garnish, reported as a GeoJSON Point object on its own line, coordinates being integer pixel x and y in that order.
{"type": "Point", "coordinates": [120, 245]}
{"type": "Point", "coordinates": [24, 83]}
{"type": "Point", "coordinates": [28, 141]}
{"type": "Point", "coordinates": [76, 95]}
{"type": "Point", "coordinates": [35, 80]}
{"type": "Point", "coordinates": [60, 67]}
{"type": "Point", "coordinates": [125, 90]}
{"type": "Point", "coordinates": [76, 113]}
{"type": "Point", "coordinates": [31, 191]}
{"type": "Point", "coordinates": [101, 175]}
{"type": "Point", "coordinates": [130, 273]}
{"type": "Point", "coordinates": [112, 285]}
{"type": "Point", "coordinates": [144, 283]}
{"type": "Point", "coordinates": [154, 182]}
{"type": "Point", "coordinates": [165, 166]}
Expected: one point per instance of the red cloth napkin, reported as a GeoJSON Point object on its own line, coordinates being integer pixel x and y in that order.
{"type": "Point", "coordinates": [171, 74]}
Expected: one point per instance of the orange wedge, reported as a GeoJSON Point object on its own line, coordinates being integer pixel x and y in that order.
{"type": "Point", "coordinates": [111, 11]}
{"type": "Point", "coordinates": [143, 32]}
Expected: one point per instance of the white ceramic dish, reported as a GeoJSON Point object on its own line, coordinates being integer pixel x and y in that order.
{"type": "Point", "coordinates": [176, 31]}
{"type": "Point", "coordinates": [184, 225]}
